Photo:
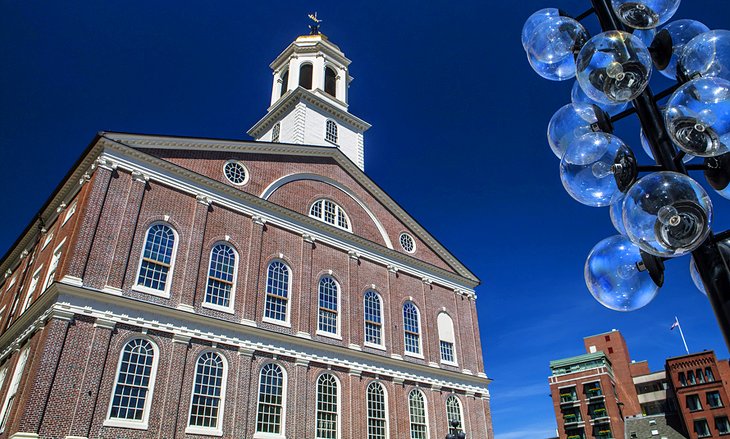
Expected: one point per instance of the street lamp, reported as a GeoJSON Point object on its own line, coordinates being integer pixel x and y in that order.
{"type": "Point", "coordinates": [659, 211]}
{"type": "Point", "coordinates": [456, 432]}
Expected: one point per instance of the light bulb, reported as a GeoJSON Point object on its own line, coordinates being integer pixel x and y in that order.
{"type": "Point", "coordinates": [667, 214]}
{"type": "Point", "coordinates": [707, 55]}
{"type": "Point", "coordinates": [535, 20]}
{"type": "Point", "coordinates": [587, 168]}
{"type": "Point", "coordinates": [696, 279]}
{"type": "Point", "coordinates": [614, 277]}
{"type": "Point", "coordinates": [645, 35]}
{"type": "Point", "coordinates": [571, 122]}
{"type": "Point", "coordinates": [613, 67]}
{"type": "Point", "coordinates": [681, 33]}
{"type": "Point", "coordinates": [644, 14]}
{"type": "Point", "coordinates": [552, 45]}
{"type": "Point", "coordinates": [615, 212]}
{"type": "Point", "coordinates": [697, 117]}
{"type": "Point", "coordinates": [578, 96]}
{"type": "Point", "coordinates": [647, 149]}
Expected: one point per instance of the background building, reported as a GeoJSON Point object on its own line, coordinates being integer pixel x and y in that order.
{"type": "Point", "coordinates": [198, 287]}
{"type": "Point", "coordinates": [605, 394]}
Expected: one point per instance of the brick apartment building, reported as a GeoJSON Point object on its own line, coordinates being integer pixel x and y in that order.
{"type": "Point", "coordinates": [191, 287]}
{"type": "Point", "coordinates": [604, 394]}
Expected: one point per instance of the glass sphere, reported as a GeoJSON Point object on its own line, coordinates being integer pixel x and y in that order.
{"type": "Point", "coordinates": [552, 45]}
{"type": "Point", "coordinates": [615, 212]}
{"type": "Point", "coordinates": [696, 279]}
{"type": "Point", "coordinates": [667, 214]}
{"type": "Point", "coordinates": [578, 96]}
{"type": "Point", "coordinates": [645, 35]}
{"type": "Point", "coordinates": [614, 66]}
{"type": "Point", "coordinates": [647, 149]}
{"type": "Point", "coordinates": [707, 54]}
{"type": "Point", "coordinates": [645, 14]}
{"type": "Point", "coordinates": [698, 117]}
{"type": "Point", "coordinates": [586, 169]}
{"type": "Point", "coordinates": [613, 277]}
{"type": "Point", "coordinates": [682, 32]}
{"type": "Point", "coordinates": [535, 20]}
{"type": "Point", "coordinates": [569, 123]}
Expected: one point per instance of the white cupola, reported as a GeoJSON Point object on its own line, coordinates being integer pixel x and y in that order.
{"type": "Point", "coordinates": [309, 99]}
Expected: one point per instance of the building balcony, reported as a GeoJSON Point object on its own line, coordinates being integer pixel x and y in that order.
{"type": "Point", "coordinates": [568, 399]}
{"type": "Point", "coordinates": [572, 420]}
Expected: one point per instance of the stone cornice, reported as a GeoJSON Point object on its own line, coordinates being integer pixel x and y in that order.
{"type": "Point", "coordinates": [197, 144]}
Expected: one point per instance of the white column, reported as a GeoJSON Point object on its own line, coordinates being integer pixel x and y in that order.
{"type": "Point", "coordinates": [342, 84]}
{"type": "Point", "coordinates": [294, 64]}
{"type": "Point", "coordinates": [318, 73]}
{"type": "Point", "coordinates": [276, 87]}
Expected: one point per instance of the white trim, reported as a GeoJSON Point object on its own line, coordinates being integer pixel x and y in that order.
{"type": "Point", "coordinates": [338, 384]}
{"type": "Point", "coordinates": [337, 334]}
{"type": "Point", "coordinates": [126, 423]}
{"type": "Point", "coordinates": [287, 321]}
{"type": "Point", "coordinates": [270, 189]}
{"type": "Point", "coordinates": [69, 213]}
{"type": "Point", "coordinates": [34, 280]}
{"type": "Point", "coordinates": [380, 346]}
{"type": "Point", "coordinates": [55, 259]}
{"type": "Point", "coordinates": [338, 209]}
{"type": "Point", "coordinates": [413, 242]}
{"type": "Point", "coordinates": [47, 240]}
{"type": "Point", "coordinates": [245, 170]}
{"type": "Point", "coordinates": [168, 282]}
{"type": "Point", "coordinates": [385, 401]}
{"type": "Point", "coordinates": [460, 406]}
{"type": "Point", "coordinates": [418, 354]}
{"type": "Point", "coordinates": [284, 389]}
{"type": "Point", "coordinates": [14, 384]}
{"type": "Point", "coordinates": [425, 411]}
{"type": "Point", "coordinates": [232, 296]}
{"type": "Point", "coordinates": [218, 430]}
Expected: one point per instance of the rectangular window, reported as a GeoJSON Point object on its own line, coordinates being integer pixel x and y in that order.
{"type": "Point", "coordinates": [447, 352]}
{"type": "Point", "coordinates": [568, 395]}
{"type": "Point", "coordinates": [682, 379]}
{"type": "Point", "coordinates": [52, 268]}
{"type": "Point", "coordinates": [722, 425]}
{"type": "Point", "coordinates": [693, 403]}
{"type": "Point", "coordinates": [31, 290]}
{"type": "Point", "coordinates": [714, 400]}
{"type": "Point", "coordinates": [700, 376]}
{"type": "Point", "coordinates": [69, 213]}
{"type": "Point", "coordinates": [49, 238]}
{"type": "Point", "coordinates": [701, 428]}
{"type": "Point", "coordinates": [709, 375]}
{"type": "Point", "coordinates": [13, 389]}
{"type": "Point", "coordinates": [592, 390]}
{"type": "Point", "coordinates": [691, 377]}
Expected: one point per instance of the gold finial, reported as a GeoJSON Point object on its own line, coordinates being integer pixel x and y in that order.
{"type": "Point", "coordinates": [314, 28]}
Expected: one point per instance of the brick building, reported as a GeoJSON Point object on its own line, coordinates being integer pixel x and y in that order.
{"type": "Point", "coordinates": [605, 394]}
{"type": "Point", "coordinates": [190, 287]}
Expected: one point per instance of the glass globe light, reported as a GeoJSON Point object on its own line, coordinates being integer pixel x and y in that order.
{"type": "Point", "coordinates": [645, 35]}
{"type": "Point", "coordinates": [613, 276]}
{"type": "Point", "coordinates": [647, 149]}
{"type": "Point", "coordinates": [587, 168]}
{"type": "Point", "coordinates": [535, 20]}
{"type": "Point", "coordinates": [552, 45]}
{"type": "Point", "coordinates": [578, 96]}
{"type": "Point", "coordinates": [696, 279]}
{"type": "Point", "coordinates": [615, 212]}
{"type": "Point", "coordinates": [645, 14]}
{"type": "Point", "coordinates": [667, 214]}
{"type": "Point", "coordinates": [697, 117]}
{"type": "Point", "coordinates": [614, 66]}
{"type": "Point", "coordinates": [569, 123]}
{"type": "Point", "coordinates": [681, 33]}
{"type": "Point", "coordinates": [707, 54]}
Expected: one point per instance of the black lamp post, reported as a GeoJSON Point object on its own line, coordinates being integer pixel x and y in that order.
{"type": "Point", "coordinates": [664, 214]}
{"type": "Point", "coordinates": [456, 432]}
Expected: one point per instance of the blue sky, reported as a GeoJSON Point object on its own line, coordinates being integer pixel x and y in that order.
{"type": "Point", "coordinates": [458, 139]}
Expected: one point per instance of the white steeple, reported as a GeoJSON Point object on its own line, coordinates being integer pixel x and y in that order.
{"type": "Point", "coordinates": [309, 99]}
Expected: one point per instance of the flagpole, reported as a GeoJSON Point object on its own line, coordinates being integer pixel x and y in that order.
{"type": "Point", "coordinates": [682, 334]}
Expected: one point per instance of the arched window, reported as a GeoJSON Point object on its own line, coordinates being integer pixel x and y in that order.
{"type": "Point", "coordinates": [284, 83]}
{"type": "Point", "coordinates": [330, 131]}
{"type": "Point", "coordinates": [277, 292]}
{"type": "Point", "coordinates": [377, 412]}
{"type": "Point", "coordinates": [373, 320]}
{"type": "Point", "coordinates": [327, 407]}
{"type": "Point", "coordinates": [305, 76]}
{"type": "Point", "coordinates": [411, 328]}
{"type": "Point", "coordinates": [447, 340]}
{"type": "Point", "coordinates": [157, 259]}
{"type": "Point", "coordinates": [328, 298]}
{"type": "Point", "coordinates": [417, 410]}
{"type": "Point", "coordinates": [276, 132]}
{"type": "Point", "coordinates": [206, 406]}
{"type": "Point", "coordinates": [331, 213]}
{"type": "Point", "coordinates": [272, 399]}
{"type": "Point", "coordinates": [134, 384]}
{"type": "Point", "coordinates": [330, 81]}
{"type": "Point", "coordinates": [221, 276]}
{"type": "Point", "coordinates": [453, 411]}
{"type": "Point", "coordinates": [13, 389]}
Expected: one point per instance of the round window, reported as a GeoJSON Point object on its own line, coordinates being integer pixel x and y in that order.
{"type": "Point", "coordinates": [406, 241]}
{"type": "Point", "coordinates": [235, 172]}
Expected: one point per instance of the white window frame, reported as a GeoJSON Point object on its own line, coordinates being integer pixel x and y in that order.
{"type": "Point", "coordinates": [441, 338]}
{"type": "Point", "coordinates": [284, 389]}
{"type": "Point", "coordinates": [168, 284]}
{"type": "Point", "coordinates": [126, 423]}
{"type": "Point", "coordinates": [387, 408]}
{"type": "Point", "coordinates": [245, 170]}
{"type": "Point", "coordinates": [12, 283]}
{"type": "Point", "coordinates": [420, 331]}
{"type": "Point", "coordinates": [53, 266]}
{"type": "Point", "coordinates": [218, 430]}
{"type": "Point", "coordinates": [327, 133]}
{"type": "Point", "coordinates": [425, 412]}
{"type": "Point", "coordinates": [47, 240]}
{"type": "Point", "coordinates": [231, 300]}
{"type": "Point", "coordinates": [380, 346]}
{"type": "Point", "coordinates": [336, 335]}
{"type": "Point", "coordinates": [287, 322]}
{"type": "Point", "coordinates": [69, 213]}
{"type": "Point", "coordinates": [339, 403]}
{"type": "Point", "coordinates": [413, 241]}
{"type": "Point", "coordinates": [461, 411]}
{"type": "Point", "coordinates": [31, 288]}
{"type": "Point", "coordinates": [14, 385]}
{"type": "Point", "coordinates": [338, 209]}
{"type": "Point", "coordinates": [276, 132]}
